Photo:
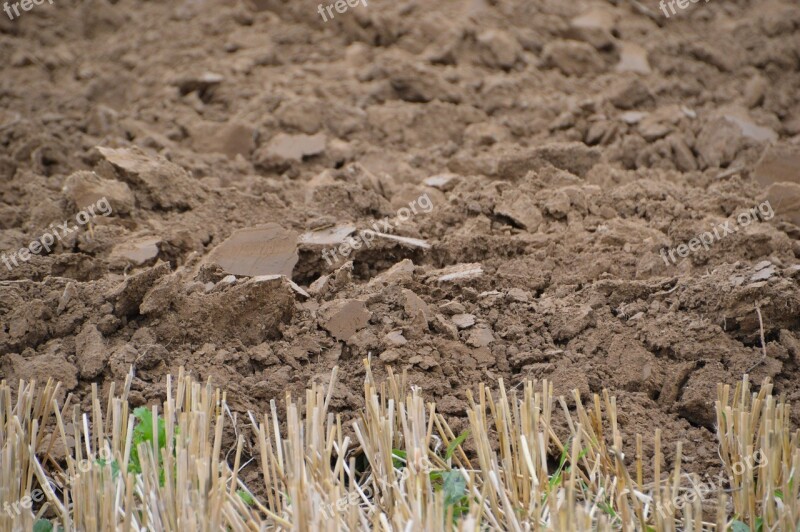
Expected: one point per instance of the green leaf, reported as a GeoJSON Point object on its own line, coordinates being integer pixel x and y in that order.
{"type": "Point", "coordinates": [778, 494]}
{"type": "Point", "coordinates": [454, 487]}
{"type": "Point", "coordinates": [563, 458]}
{"type": "Point", "coordinates": [42, 525]}
{"type": "Point", "coordinates": [738, 526]}
{"type": "Point", "coordinates": [759, 524]}
{"type": "Point", "coordinates": [607, 509]}
{"type": "Point", "coordinates": [583, 453]}
{"type": "Point", "coordinates": [114, 466]}
{"type": "Point", "coordinates": [246, 497]}
{"type": "Point", "coordinates": [454, 444]}
{"type": "Point", "coordinates": [555, 481]}
{"type": "Point", "coordinates": [143, 433]}
{"type": "Point", "coordinates": [460, 509]}
{"type": "Point", "coordinates": [398, 458]}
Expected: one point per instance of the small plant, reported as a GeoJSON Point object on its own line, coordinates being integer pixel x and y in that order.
{"type": "Point", "coordinates": [449, 481]}
{"type": "Point", "coordinates": [451, 449]}
{"type": "Point", "coordinates": [315, 478]}
{"type": "Point", "coordinates": [455, 492]}
{"type": "Point", "coordinates": [246, 497]}
{"type": "Point", "coordinates": [143, 433]}
{"type": "Point", "coordinates": [739, 526]}
{"type": "Point", "coordinates": [43, 525]}
{"type": "Point", "coordinates": [114, 466]}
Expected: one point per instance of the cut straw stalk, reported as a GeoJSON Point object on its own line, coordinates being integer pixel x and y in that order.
{"type": "Point", "coordinates": [312, 479]}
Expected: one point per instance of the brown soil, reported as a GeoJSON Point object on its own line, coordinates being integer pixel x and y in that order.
{"type": "Point", "coordinates": [560, 145]}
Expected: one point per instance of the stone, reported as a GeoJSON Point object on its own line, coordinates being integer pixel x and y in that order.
{"type": "Point", "coordinates": [747, 125]}
{"type": "Point", "coordinates": [785, 200]}
{"type": "Point", "coordinates": [684, 158]}
{"type": "Point", "coordinates": [519, 295]}
{"type": "Point", "coordinates": [296, 147]}
{"type": "Point", "coordinates": [395, 338]}
{"type": "Point", "coordinates": [282, 150]}
{"type": "Point", "coordinates": [632, 117]}
{"type": "Point", "coordinates": [400, 273]}
{"type": "Point", "coordinates": [330, 236]}
{"type": "Point", "coordinates": [754, 91]}
{"type": "Point", "coordinates": [163, 184]}
{"type": "Point", "coordinates": [414, 305]}
{"type": "Point", "coordinates": [779, 163]}
{"type": "Point", "coordinates": [593, 26]}
{"type": "Point", "coordinates": [630, 93]}
{"type": "Point", "coordinates": [405, 240]}
{"type": "Point", "coordinates": [197, 82]}
{"type": "Point", "coordinates": [572, 58]}
{"type": "Point", "coordinates": [90, 352]}
{"type": "Point", "coordinates": [486, 134]}
{"type": "Point", "coordinates": [520, 209]}
{"type": "Point", "coordinates": [717, 143]}
{"type": "Point", "coordinates": [480, 337]}
{"type": "Point", "coordinates": [417, 83]}
{"type": "Point", "coordinates": [263, 250]}
{"type": "Point", "coordinates": [344, 317]}
{"type": "Point", "coordinates": [229, 138]}
{"type": "Point", "coordinates": [443, 182]}
{"type": "Point", "coordinates": [87, 188]}
{"type": "Point", "coordinates": [390, 355]}
{"type": "Point", "coordinates": [442, 325]}
{"type": "Point", "coordinates": [558, 204]}
{"type": "Point", "coordinates": [633, 58]}
{"type": "Point", "coordinates": [452, 308]}
{"type": "Point", "coordinates": [458, 272]}
{"type": "Point", "coordinates": [139, 251]}
{"type": "Point", "coordinates": [652, 128]}
{"type": "Point", "coordinates": [463, 321]}
{"type": "Point", "coordinates": [498, 48]}
{"type": "Point", "coordinates": [763, 274]}
{"type": "Point", "coordinates": [129, 294]}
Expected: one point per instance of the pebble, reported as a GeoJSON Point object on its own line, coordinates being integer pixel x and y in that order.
{"type": "Point", "coordinates": [464, 321]}
{"type": "Point", "coordinates": [344, 317]}
{"type": "Point", "coordinates": [265, 250]}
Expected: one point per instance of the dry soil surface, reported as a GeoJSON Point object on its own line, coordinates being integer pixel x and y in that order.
{"type": "Point", "coordinates": [501, 182]}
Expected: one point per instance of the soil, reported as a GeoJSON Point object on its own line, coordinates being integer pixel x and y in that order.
{"type": "Point", "coordinates": [499, 180]}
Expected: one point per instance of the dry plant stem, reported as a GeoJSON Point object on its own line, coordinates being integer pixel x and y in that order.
{"type": "Point", "coordinates": [312, 480]}
{"type": "Point", "coordinates": [763, 343]}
